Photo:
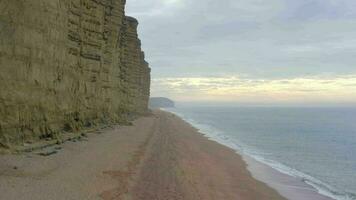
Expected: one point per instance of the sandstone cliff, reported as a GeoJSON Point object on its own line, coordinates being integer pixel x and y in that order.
{"type": "Point", "coordinates": [66, 65]}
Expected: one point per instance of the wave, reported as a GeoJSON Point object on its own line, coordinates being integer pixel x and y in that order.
{"type": "Point", "coordinates": [217, 135]}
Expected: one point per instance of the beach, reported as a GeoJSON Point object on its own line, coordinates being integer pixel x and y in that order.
{"type": "Point", "coordinates": [159, 157]}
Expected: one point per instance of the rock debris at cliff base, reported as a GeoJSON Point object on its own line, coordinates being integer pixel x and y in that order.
{"type": "Point", "coordinates": [66, 65]}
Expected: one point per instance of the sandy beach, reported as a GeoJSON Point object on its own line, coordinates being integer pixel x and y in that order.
{"type": "Point", "coordinates": [159, 157]}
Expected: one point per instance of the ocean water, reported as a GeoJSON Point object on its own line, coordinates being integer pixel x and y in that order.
{"type": "Point", "coordinates": [317, 145]}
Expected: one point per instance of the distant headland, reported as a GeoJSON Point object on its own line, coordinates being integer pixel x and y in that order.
{"type": "Point", "coordinates": [161, 102]}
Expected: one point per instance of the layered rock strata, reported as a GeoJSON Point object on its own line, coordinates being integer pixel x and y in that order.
{"type": "Point", "coordinates": [66, 65]}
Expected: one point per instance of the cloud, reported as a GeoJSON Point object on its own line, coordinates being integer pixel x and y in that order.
{"type": "Point", "coordinates": [278, 38]}
{"type": "Point", "coordinates": [320, 9]}
{"type": "Point", "coordinates": [243, 89]}
{"type": "Point", "coordinates": [196, 42]}
{"type": "Point", "coordinates": [152, 8]}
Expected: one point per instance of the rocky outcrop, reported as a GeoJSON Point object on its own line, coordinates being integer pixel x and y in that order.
{"type": "Point", "coordinates": [66, 65]}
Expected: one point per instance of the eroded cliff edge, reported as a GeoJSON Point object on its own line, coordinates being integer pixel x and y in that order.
{"type": "Point", "coordinates": [66, 65]}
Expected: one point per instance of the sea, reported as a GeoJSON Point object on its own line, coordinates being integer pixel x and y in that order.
{"type": "Point", "coordinates": [314, 145]}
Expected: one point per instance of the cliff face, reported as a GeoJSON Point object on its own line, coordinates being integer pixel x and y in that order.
{"type": "Point", "coordinates": [66, 65]}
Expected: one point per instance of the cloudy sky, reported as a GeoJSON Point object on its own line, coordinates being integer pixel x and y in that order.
{"type": "Point", "coordinates": [250, 50]}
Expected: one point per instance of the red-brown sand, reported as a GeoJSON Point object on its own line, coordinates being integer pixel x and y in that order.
{"type": "Point", "coordinates": [160, 157]}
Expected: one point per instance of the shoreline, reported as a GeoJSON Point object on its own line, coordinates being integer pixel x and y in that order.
{"type": "Point", "coordinates": [196, 168]}
{"type": "Point", "coordinates": [290, 187]}
{"type": "Point", "coordinates": [159, 157]}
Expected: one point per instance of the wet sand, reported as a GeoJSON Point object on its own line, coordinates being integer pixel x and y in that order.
{"type": "Point", "coordinates": [291, 187]}
{"type": "Point", "coordinates": [159, 157]}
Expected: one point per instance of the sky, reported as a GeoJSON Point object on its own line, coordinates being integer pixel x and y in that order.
{"type": "Point", "coordinates": [250, 51]}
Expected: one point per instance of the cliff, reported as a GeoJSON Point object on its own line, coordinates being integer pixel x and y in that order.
{"type": "Point", "coordinates": [66, 65]}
